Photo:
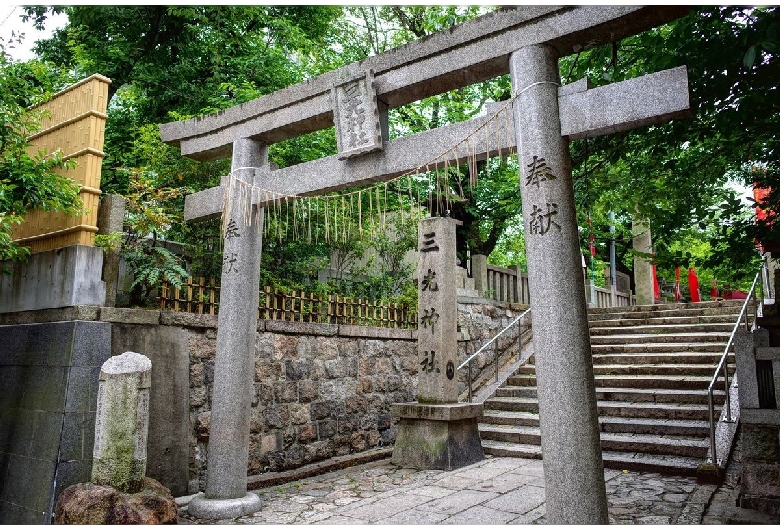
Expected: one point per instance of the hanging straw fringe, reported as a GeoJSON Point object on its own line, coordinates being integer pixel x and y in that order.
{"type": "Point", "coordinates": [240, 196]}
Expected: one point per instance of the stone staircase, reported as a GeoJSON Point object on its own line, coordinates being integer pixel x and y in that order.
{"type": "Point", "coordinates": [652, 366]}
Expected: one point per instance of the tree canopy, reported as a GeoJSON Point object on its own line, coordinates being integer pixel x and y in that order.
{"type": "Point", "coordinates": [176, 62]}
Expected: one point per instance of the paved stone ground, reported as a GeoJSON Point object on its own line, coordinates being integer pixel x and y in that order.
{"type": "Point", "coordinates": [494, 491]}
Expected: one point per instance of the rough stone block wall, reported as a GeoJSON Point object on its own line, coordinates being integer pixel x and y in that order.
{"type": "Point", "coordinates": [479, 321]}
{"type": "Point", "coordinates": [316, 395]}
{"type": "Point", "coordinates": [320, 390]}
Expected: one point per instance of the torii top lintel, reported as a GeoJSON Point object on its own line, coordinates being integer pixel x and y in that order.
{"type": "Point", "coordinates": [474, 51]}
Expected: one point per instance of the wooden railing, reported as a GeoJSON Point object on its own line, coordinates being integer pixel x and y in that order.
{"type": "Point", "coordinates": [511, 285]}
{"type": "Point", "coordinates": [202, 297]}
{"type": "Point", "coordinates": [612, 298]}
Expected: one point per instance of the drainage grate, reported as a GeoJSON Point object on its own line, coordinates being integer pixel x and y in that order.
{"type": "Point", "coordinates": [766, 385]}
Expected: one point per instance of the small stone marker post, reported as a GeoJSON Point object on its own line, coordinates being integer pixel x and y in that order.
{"type": "Point", "coordinates": [643, 267]}
{"type": "Point", "coordinates": [437, 432]}
{"type": "Point", "coordinates": [122, 422]}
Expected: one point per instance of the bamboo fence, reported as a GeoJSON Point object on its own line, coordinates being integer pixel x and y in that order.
{"type": "Point", "coordinates": [201, 296]}
{"type": "Point", "coordinates": [76, 125]}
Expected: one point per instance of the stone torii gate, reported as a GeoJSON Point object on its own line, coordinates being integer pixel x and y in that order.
{"type": "Point", "coordinates": [524, 41]}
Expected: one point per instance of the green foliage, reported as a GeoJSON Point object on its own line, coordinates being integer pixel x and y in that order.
{"type": "Point", "coordinates": [151, 264]}
{"type": "Point", "coordinates": [110, 242]}
{"type": "Point", "coordinates": [676, 173]}
{"type": "Point", "coordinates": [147, 217]}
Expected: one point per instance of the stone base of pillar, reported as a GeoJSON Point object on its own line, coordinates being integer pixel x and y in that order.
{"type": "Point", "coordinates": [437, 436]}
{"type": "Point", "coordinates": [204, 508]}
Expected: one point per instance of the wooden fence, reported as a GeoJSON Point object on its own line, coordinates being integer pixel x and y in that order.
{"type": "Point", "coordinates": [202, 297]}
{"type": "Point", "coordinates": [76, 126]}
{"type": "Point", "coordinates": [609, 298]}
{"type": "Point", "coordinates": [511, 285]}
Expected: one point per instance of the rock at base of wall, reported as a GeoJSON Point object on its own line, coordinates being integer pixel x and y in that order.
{"type": "Point", "coordinates": [93, 504]}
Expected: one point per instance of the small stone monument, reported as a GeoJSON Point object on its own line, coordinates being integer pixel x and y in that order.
{"type": "Point", "coordinates": [119, 492]}
{"type": "Point", "coordinates": [437, 432]}
{"type": "Point", "coordinates": [122, 422]}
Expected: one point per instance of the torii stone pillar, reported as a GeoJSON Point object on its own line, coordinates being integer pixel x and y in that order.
{"type": "Point", "coordinates": [571, 451]}
{"type": "Point", "coordinates": [226, 492]}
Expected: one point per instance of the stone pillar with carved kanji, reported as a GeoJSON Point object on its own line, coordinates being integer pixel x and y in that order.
{"type": "Point", "coordinates": [568, 417]}
{"type": "Point", "coordinates": [226, 493]}
{"type": "Point", "coordinates": [437, 432]}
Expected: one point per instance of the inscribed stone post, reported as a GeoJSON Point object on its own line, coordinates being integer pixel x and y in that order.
{"type": "Point", "coordinates": [437, 347]}
{"type": "Point", "coordinates": [122, 422]}
{"type": "Point", "coordinates": [437, 432]}
{"type": "Point", "coordinates": [226, 493]}
{"type": "Point", "coordinates": [573, 469]}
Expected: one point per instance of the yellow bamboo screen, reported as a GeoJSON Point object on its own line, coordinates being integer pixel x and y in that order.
{"type": "Point", "coordinates": [76, 125]}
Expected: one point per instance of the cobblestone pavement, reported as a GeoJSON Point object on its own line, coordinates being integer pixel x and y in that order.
{"type": "Point", "coordinates": [497, 490]}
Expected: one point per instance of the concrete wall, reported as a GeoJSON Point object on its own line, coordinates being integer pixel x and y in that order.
{"type": "Point", "coordinates": [64, 277]}
{"type": "Point", "coordinates": [48, 393]}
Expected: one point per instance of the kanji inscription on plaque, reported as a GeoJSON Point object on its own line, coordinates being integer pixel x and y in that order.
{"type": "Point", "coordinates": [356, 114]}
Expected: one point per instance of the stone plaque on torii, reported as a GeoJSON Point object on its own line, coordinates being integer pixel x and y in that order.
{"type": "Point", "coordinates": [524, 41]}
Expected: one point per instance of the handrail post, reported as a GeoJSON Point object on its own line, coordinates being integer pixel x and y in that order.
{"type": "Point", "coordinates": [713, 450]}
{"type": "Point", "coordinates": [495, 358]}
{"type": "Point", "coordinates": [728, 394]}
{"type": "Point", "coordinates": [469, 376]}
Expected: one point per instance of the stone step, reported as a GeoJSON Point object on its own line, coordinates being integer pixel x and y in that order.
{"type": "Point", "coordinates": [641, 338]}
{"type": "Point", "coordinates": [726, 318]}
{"type": "Point", "coordinates": [525, 380]}
{"type": "Point", "coordinates": [516, 391]}
{"type": "Point", "coordinates": [641, 443]}
{"type": "Point", "coordinates": [655, 369]}
{"type": "Point", "coordinates": [639, 395]}
{"type": "Point", "coordinates": [699, 428]}
{"type": "Point", "coordinates": [516, 434]}
{"type": "Point", "coordinates": [628, 409]}
{"type": "Point", "coordinates": [681, 382]}
{"type": "Point", "coordinates": [724, 312]}
{"type": "Point", "coordinates": [497, 448]}
{"type": "Point", "coordinates": [726, 305]}
{"type": "Point", "coordinates": [667, 465]}
{"type": "Point", "coordinates": [666, 347]}
{"type": "Point", "coordinates": [659, 395]}
{"type": "Point", "coordinates": [704, 358]}
{"type": "Point", "coordinates": [510, 417]}
{"type": "Point", "coordinates": [655, 444]}
{"type": "Point", "coordinates": [662, 329]}
{"type": "Point", "coordinates": [611, 424]}
{"type": "Point", "coordinates": [516, 404]}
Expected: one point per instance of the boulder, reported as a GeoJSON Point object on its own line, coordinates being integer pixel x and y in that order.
{"type": "Point", "coordinates": [94, 504]}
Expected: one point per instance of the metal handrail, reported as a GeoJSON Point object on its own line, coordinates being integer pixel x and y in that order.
{"type": "Point", "coordinates": [495, 349]}
{"type": "Point", "coordinates": [723, 364]}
